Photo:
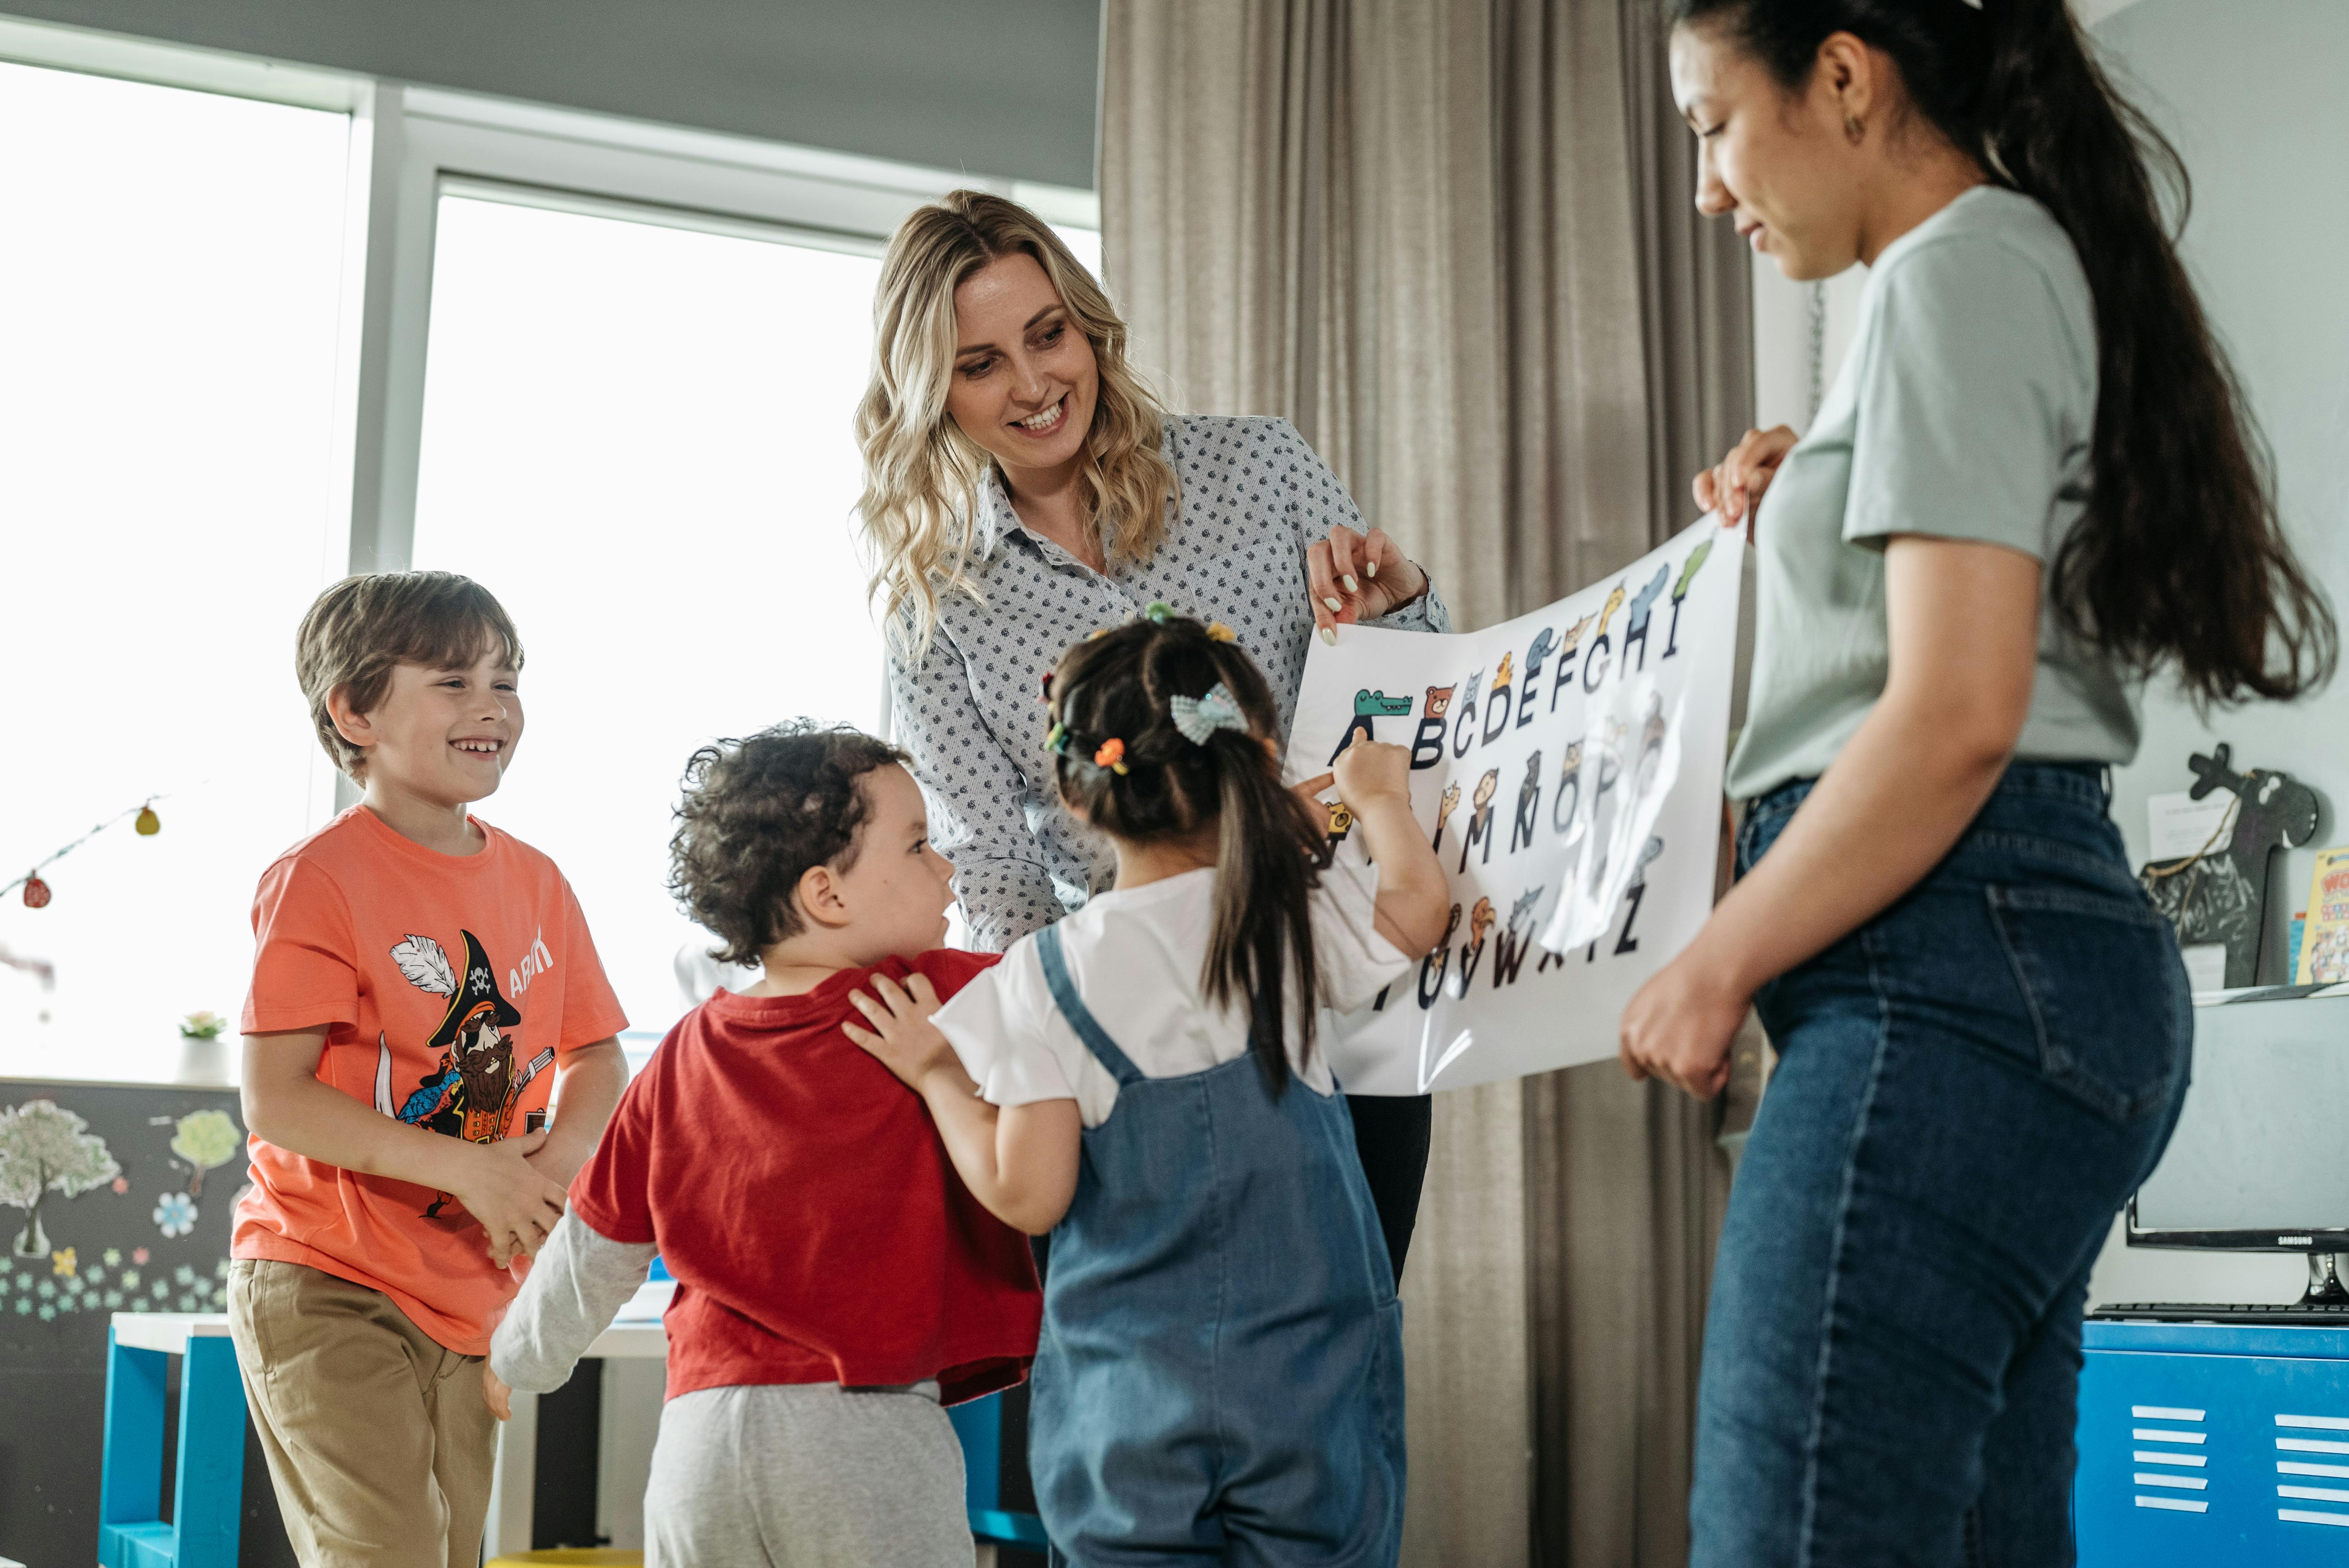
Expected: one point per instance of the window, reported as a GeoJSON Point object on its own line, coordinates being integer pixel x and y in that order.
{"type": "Point", "coordinates": [639, 437]}
{"type": "Point", "coordinates": [633, 424]}
{"type": "Point", "coordinates": [170, 310]}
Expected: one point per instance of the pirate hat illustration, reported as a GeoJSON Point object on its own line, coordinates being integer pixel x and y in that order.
{"type": "Point", "coordinates": [477, 996]}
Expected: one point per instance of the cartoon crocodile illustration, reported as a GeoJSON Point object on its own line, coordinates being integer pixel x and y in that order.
{"type": "Point", "coordinates": [1367, 706]}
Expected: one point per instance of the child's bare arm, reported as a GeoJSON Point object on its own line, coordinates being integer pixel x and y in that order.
{"type": "Point", "coordinates": [286, 1104]}
{"type": "Point", "coordinates": [1019, 1160]}
{"type": "Point", "coordinates": [588, 1090]}
{"type": "Point", "coordinates": [1375, 781]}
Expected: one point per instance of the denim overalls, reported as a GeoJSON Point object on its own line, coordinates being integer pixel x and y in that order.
{"type": "Point", "coordinates": [1220, 1373]}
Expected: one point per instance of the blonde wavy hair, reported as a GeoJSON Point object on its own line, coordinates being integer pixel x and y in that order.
{"type": "Point", "coordinates": [922, 473]}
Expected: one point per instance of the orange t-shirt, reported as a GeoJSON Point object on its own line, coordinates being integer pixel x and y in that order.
{"type": "Point", "coordinates": [451, 987]}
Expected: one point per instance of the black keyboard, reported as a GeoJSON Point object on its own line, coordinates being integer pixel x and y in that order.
{"type": "Point", "coordinates": [2328, 1314]}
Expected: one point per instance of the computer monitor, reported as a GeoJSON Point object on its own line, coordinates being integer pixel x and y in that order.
{"type": "Point", "coordinates": [2260, 1161]}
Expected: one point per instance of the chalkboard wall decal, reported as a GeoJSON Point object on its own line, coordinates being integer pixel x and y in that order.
{"type": "Point", "coordinates": [2219, 893]}
{"type": "Point", "coordinates": [44, 1149]}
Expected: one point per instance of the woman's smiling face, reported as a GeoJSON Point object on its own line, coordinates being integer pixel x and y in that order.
{"type": "Point", "coordinates": [1025, 381]}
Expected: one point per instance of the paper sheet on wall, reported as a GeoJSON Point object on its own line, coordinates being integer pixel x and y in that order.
{"type": "Point", "coordinates": [1566, 765]}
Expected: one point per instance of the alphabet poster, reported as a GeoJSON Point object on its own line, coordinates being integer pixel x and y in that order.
{"type": "Point", "coordinates": [1567, 768]}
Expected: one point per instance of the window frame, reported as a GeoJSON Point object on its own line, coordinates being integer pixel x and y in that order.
{"type": "Point", "coordinates": [408, 140]}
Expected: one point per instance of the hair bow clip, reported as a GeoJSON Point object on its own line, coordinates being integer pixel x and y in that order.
{"type": "Point", "coordinates": [1111, 755]}
{"type": "Point", "coordinates": [1200, 716]}
{"type": "Point", "coordinates": [1219, 633]}
{"type": "Point", "coordinates": [1047, 687]}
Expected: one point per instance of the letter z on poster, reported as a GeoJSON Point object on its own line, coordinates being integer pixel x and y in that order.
{"type": "Point", "coordinates": [1566, 765]}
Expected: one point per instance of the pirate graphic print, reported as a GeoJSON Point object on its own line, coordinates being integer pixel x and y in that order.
{"type": "Point", "coordinates": [472, 1087]}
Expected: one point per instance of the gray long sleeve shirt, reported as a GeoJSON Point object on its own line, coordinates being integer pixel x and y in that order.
{"type": "Point", "coordinates": [577, 1285]}
{"type": "Point", "coordinates": [1255, 498]}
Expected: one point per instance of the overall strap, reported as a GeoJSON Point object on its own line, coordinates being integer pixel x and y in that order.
{"type": "Point", "coordinates": [1079, 1016]}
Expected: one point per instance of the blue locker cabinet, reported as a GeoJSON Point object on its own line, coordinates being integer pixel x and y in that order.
{"type": "Point", "coordinates": [2218, 1446]}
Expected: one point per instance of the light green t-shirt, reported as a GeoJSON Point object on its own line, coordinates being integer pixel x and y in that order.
{"type": "Point", "coordinates": [1963, 411]}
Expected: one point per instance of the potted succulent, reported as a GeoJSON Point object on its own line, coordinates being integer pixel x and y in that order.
{"type": "Point", "coordinates": [202, 1058]}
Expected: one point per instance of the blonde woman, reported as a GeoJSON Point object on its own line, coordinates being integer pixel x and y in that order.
{"type": "Point", "coordinates": [1022, 487]}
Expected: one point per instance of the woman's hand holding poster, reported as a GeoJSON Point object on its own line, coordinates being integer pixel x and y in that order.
{"type": "Point", "coordinates": [1566, 765]}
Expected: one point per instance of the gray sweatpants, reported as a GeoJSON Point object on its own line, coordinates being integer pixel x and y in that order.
{"type": "Point", "coordinates": [807, 1475]}
{"type": "Point", "coordinates": [786, 1475]}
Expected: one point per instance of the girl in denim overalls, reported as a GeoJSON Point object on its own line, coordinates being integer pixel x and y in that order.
{"type": "Point", "coordinates": [1220, 1374]}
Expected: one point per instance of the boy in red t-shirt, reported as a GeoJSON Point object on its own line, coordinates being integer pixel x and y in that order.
{"type": "Point", "coordinates": [836, 1281]}
{"type": "Point", "coordinates": [423, 984]}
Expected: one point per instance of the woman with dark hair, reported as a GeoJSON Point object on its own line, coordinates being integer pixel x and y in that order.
{"type": "Point", "coordinates": [2034, 485]}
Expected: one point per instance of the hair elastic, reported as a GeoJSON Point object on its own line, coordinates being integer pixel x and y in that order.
{"type": "Point", "coordinates": [1111, 755]}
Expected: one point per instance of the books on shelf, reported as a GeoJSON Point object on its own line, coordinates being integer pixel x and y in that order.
{"type": "Point", "coordinates": [2324, 941]}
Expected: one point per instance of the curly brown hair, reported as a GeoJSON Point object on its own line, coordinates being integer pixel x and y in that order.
{"type": "Point", "coordinates": [757, 813]}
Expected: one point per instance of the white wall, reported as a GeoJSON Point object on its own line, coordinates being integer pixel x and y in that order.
{"type": "Point", "coordinates": [2251, 94]}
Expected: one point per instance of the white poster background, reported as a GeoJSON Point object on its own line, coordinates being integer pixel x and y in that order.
{"type": "Point", "coordinates": [1567, 767]}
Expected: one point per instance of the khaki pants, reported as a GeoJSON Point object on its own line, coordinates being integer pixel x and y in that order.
{"type": "Point", "coordinates": [380, 1442]}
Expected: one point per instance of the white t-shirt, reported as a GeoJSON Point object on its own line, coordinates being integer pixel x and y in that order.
{"type": "Point", "coordinates": [1135, 955]}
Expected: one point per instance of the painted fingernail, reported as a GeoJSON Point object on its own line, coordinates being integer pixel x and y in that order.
{"type": "Point", "coordinates": [1351, 585]}
{"type": "Point", "coordinates": [1335, 604]}
{"type": "Point", "coordinates": [1372, 569]}
{"type": "Point", "coordinates": [1330, 635]}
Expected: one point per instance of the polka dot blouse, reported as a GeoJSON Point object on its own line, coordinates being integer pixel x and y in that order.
{"type": "Point", "coordinates": [1254, 498]}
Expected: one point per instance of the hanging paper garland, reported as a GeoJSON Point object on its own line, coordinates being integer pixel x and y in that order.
{"type": "Point", "coordinates": [36, 892]}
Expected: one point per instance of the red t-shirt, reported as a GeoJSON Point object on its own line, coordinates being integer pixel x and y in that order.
{"type": "Point", "coordinates": [800, 1196]}
{"type": "Point", "coordinates": [452, 989]}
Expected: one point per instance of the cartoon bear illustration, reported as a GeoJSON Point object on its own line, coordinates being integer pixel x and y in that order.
{"type": "Point", "coordinates": [1439, 701]}
{"type": "Point", "coordinates": [1480, 818]}
{"type": "Point", "coordinates": [1528, 804]}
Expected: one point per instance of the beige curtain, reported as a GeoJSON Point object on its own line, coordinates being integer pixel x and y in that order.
{"type": "Point", "coordinates": [1453, 240]}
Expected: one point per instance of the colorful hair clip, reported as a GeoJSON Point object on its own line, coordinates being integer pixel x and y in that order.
{"type": "Point", "coordinates": [1219, 633]}
{"type": "Point", "coordinates": [1047, 687]}
{"type": "Point", "coordinates": [1111, 755]}
{"type": "Point", "coordinates": [1158, 611]}
{"type": "Point", "coordinates": [1057, 738]}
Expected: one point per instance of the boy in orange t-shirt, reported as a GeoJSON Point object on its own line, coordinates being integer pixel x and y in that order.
{"type": "Point", "coordinates": [423, 985]}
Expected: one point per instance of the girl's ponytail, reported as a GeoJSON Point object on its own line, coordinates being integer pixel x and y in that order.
{"type": "Point", "coordinates": [2179, 556]}
{"type": "Point", "coordinates": [1125, 759]}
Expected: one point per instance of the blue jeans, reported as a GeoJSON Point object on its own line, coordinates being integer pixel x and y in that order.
{"type": "Point", "coordinates": [1969, 1086]}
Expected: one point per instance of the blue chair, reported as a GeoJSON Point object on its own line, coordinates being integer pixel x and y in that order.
{"type": "Point", "coordinates": [979, 1424]}
{"type": "Point", "coordinates": [208, 1484]}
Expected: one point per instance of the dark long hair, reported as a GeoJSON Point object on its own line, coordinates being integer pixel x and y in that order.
{"type": "Point", "coordinates": [2180, 557]}
{"type": "Point", "coordinates": [1120, 686]}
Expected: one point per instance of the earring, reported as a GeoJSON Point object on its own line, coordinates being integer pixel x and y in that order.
{"type": "Point", "coordinates": [1852, 130]}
